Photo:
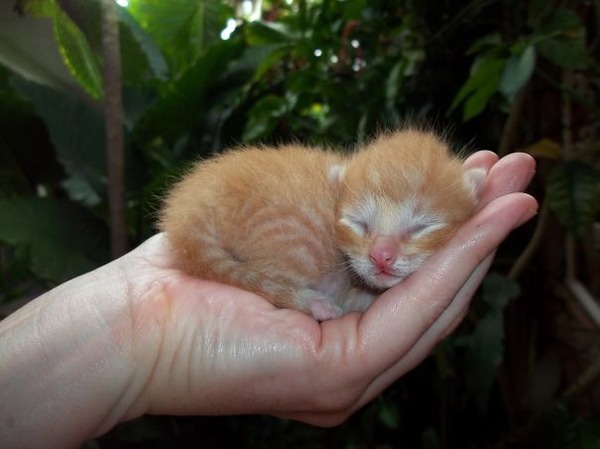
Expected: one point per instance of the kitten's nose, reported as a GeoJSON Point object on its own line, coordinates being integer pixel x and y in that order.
{"type": "Point", "coordinates": [383, 252]}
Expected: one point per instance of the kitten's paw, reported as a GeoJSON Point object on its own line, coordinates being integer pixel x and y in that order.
{"type": "Point", "coordinates": [321, 307]}
{"type": "Point", "coordinates": [358, 300]}
{"type": "Point", "coordinates": [324, 310]}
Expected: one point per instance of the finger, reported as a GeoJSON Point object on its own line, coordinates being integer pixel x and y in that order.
{"type": "Point", "coordinates": [449, 319]}
{"type": "Point", "coordinates": [481, 159]}
{"type": "Point", "coordinates": [443, 326]}
{"type": "Point", "coordinates": [402, 315]}
{"type": "Point", "coordinates": [512, 173]}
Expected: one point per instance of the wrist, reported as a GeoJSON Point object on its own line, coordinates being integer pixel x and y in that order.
{"type": "Point", "coordinates": [66, 356]}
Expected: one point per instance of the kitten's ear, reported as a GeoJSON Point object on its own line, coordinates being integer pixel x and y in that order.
{"type": "Point", "coordinates": [475, 180]}
{"type": "Point", "coordinates": [336, 173]}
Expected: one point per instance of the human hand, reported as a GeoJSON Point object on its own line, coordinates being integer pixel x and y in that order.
{"type": "Point", "coordinates": [225, 351]}
{"type": "Point", "coordinates": [161, 342]}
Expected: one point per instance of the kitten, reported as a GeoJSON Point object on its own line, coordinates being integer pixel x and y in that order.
{"type": "Point", "coordinates": [315, 230]}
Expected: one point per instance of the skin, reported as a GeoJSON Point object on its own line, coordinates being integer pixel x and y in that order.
{"type": "Point", "coordinates": [136, 336]}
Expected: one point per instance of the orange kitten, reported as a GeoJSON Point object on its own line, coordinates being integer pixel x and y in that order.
{"type": "Point", "coordinates": [315, 230]}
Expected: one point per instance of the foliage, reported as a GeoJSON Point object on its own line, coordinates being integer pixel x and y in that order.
{"type": "Point", "coordinates": [48, 228]}
{"type": "Point", "coordinates": [324, 72]}
{"type": "Point", "coordinates": [574, 194]}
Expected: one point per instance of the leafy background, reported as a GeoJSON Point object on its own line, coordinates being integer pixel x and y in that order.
{"type": "Point", "coordinates": [509, 75]}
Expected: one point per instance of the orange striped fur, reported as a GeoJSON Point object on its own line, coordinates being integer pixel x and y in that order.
{"type": "Point", "coordinates": [297, 224]}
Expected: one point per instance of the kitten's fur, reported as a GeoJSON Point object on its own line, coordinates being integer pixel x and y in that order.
{"type": "Point", "coordinates": [315, 230]}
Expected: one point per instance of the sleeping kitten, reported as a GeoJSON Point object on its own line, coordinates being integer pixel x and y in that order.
{"type": "Point", "coordinates": [317, 231]}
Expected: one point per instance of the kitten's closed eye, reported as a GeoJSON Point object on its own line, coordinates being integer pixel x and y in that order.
{"type": "Point", "coordinates": [422, 229]}
{"type": "Point", "coordinates": [358, 226]}
{"type": "Point", "coordinates": [418, 229]}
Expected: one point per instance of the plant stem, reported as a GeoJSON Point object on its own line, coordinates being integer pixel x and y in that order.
{"type": "Point", "coordinates": [113, 117]}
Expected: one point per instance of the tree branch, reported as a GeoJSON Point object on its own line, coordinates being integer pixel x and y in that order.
{"type": "Point", "coordinates": [113, 117]}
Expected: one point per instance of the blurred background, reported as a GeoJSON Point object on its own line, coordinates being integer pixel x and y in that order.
{"type": "Point", "coordinates": [103, 104]}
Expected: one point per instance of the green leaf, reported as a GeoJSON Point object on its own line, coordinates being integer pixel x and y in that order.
{"type": "Point", "coordinates": [185, 100]}
{"type": "Point", "coordinates": [560, 22]}
{"type": "Point", "coordinates": [498, 290]}
{"type": "Point", "coordinates": [134, 40]}
{"type": "Point", "coordinates": [481, 85]}
{"type": "Point", "coordinates": [264, 117]}
{"type": "Point", "coordinates": [78, 55]}
{"type": "Point", "coordinates": [561, 38]}
{"type": "Point", "coordinates": [355, 9]}
{"type": "Point", "coordinates": [388, 412]}
{"type": "Point", "coordinates": [538, 10]}
{"type": "Point", "coordinates": [486, 352]}
{"type": "Point", "coordinates": [567, 53]}
{"type": "Point", "coordinates": [182, 29]}
{"type": "Point", "coordinates": [477, 102]}
{"type": "Point", "coordinates": [76, 131]}
{"type": "Point", "coordinates": [559, 428]}
{"type": "Point", "coordinates": [485, 347]}
{"type": "Point", "coordinates": [257, 61]}
{"type": "Point", "coordinates": [493, 40]}
{"type": "Point", "coordinates": [574, 193]}
{"type": "Point", "coordinates": [74, 47]}
{"type": "Point", "coordinates": [517, 71]}
{"type": "Point", "coordinates": [266, 33]}
{"type": "Point", "coordinates": [63, 241]}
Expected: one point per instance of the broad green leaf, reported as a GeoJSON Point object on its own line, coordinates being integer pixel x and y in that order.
{"type": "Point", "coordinates": [207, 93]}
{"type": "Point", "coordinates": [561, 38]}
{"type": "Point", "coordinates": [477, 102]}
{"type": "Point", "coordinates": [257, 60]}
{"type": "Point", "coordinates": [77, 133]}
{"type": "Point", "coordinates": [182, 29]}
{"type": "Point", "coordinates": [139, 53]}
{"type": "Point", "coordinates": [39, 8]}
{"type": "Point", "coordinates": [263, 117]}
{"type": "Point", "coordinates": [73, 45]}
{"type": "Point", "coordinates": [484, 356]}
{"type": "Point", "coordinates": [156, 60]}
{"type": "Point", "coordinates": [561, 21]}
{"type": "Point", "coordinates": [565, 52]}
{"type": "Point", "coordinates": [78, 55]}
{"type": "Point", "coordinates": [485, 347]}
{"type": "Point", "coordinates": [559, 428]}
{"type": "Point", "coordinates": [63, 241]}
{"type": "Point", "coordinates": [80, 191]}
{"type": "Point", "coordinates": [517, 71]}
{"type": "Point", "coordinates": [183, 101]}
{"type": "Point", "coordinates": [574, 195]}
{"type": "Point", "coordinates": [481, 85]}
{"type": "Point", "coordinates": [538, 10]}
{"type": "Point", "coordinates": [388, 412]}
{"type": "Point", "coordinates": [268, 33]}
{"type": "Point", "coordinates": [498, 291]}
{"type": "Point", "coordinates": [493, 40]}
{"type": "Point", "coordinates": [25, 152]}
{"type": "Point", "coordinates": [354, 9]}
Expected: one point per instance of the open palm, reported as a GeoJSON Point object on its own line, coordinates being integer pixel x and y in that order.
{"type": "Point", "coordinates": [207, 348]}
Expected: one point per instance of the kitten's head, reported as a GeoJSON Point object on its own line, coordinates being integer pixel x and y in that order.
{"type": "Point", "coordinates": [400, 199]}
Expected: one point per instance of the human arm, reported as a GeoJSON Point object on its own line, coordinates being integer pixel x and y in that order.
{"type": "Point", "coordinates": [137, 336]}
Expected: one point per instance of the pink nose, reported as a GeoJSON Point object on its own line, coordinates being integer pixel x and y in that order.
{"type": "Point", "coordinates": [383, 252]}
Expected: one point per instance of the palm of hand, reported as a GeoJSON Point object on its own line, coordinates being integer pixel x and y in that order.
{"type": "Point", "coordinates": [207, 348]}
